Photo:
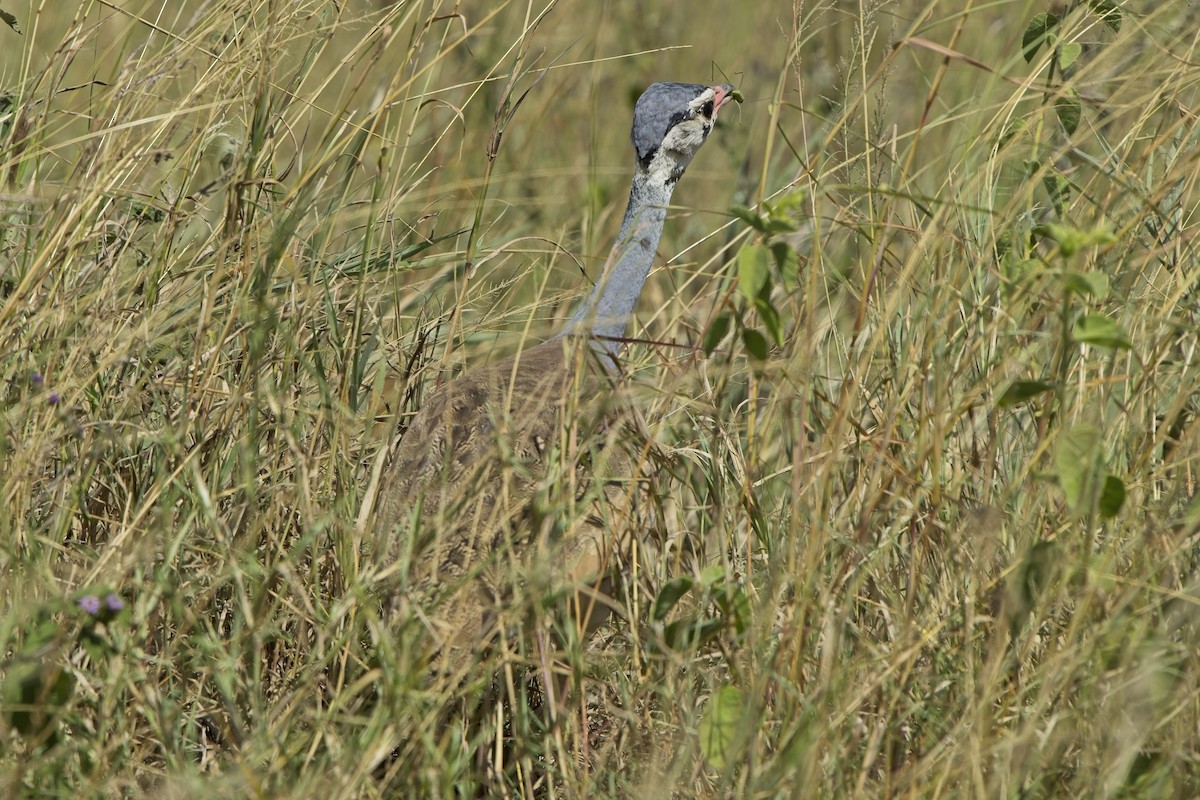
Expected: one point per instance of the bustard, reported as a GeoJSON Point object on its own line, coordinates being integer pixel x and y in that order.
{"type": "Point", "coordinates": [515, 472]}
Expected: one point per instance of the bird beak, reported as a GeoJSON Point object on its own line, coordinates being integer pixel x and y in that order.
{"type": "Point", "coordinates": [724, 93]}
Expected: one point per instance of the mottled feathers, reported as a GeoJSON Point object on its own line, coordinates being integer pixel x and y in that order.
{"type": "Point", "coordinates": [513, 477]}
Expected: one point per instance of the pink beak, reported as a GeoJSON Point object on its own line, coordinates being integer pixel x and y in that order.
{"type": "Point", "coordinates": [724, 93]}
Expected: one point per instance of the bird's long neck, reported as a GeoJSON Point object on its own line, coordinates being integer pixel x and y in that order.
{"type": "Point", "coordinates": [607, 310]}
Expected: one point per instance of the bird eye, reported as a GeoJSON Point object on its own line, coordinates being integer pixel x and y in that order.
{"type": "Point", "coordinates": [708, 109]}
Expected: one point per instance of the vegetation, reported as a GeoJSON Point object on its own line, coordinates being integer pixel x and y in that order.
{"type": "Point", "coordinates": [925, 401]}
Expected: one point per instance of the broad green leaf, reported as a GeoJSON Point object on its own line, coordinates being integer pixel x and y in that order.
{"type": "Point", "coordinates": [788, 202]}
{"type": "Point", "coordinates": [719, 727]}
{"type": "Point", "coordinates": [1013, 129]}
{"type": "Point", "coordinates": [770, 318]}
{"type": "Point", "coordinates": [1035, 34]}
{"type": "Point", "coordinates": [1071, 240]}
{"type": "Point", "coordinates": [787, 261]}
{"type": "Point", "coordinates": [688, 634]}
{"type": "Point", "coordinates": [735, 604]}
{"type": "Point", "coordinates": [41, 635]}
{"type": "Point", "coordinates": [780, 224]}
{"type": "Point", "coordinates": [143, 212]}
{"type": "Point", "coordinates": [1059, 189]}
{"type": "Point", "coordinates": [712, 575]}
{"type": "Point", "coordinates": [670, 595]}
{"type": "Point", "coordinates": [1075, 464]}
{"type": "Point", "coordinates": [35, 694]}
{"type": "Point", "coordinates": [779, 218]}
{"type": "Point", "coordinates": [1112, 496]}
{"type": "Point", "coordinates": [754, 270]}
{"type": "Point", "coordinates": [750, 217]}
{"type": "Point", "coordinates": [1020, 391]}
{"type": "Point", "coordinates": [1101, 331]}
{"type": "Point", "coordinates": [716, 333]}
{"type": "Point", "coordinates": [11, 21]}
{"type": "Point", "coordinates": [1100, 234]}
{"type": "Point", "coordinates": [1110, 12]}
{"type": "Point", "coordinates": [1068, 239]}
{"type": "Point", "coordinates": [1087, 284]}
{"type": "Point", "coordinates": [1069, 110]}
{"type": "Point", "coordinates": [1017, 269]}
{"type": "Point", "coordinates": [756, 344]}
{"type": "Point", "coordinates": [1068, 54]}
{"type": "Point", "coordinates": [1037, 573]}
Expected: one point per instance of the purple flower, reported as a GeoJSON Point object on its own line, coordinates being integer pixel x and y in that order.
{"type": "Point", "coordinates": [114, 603]}
{"type": "Point", "coordinates": [36, 379]}
{"type": "Point", "coordinates": [90, 603]}
{"type": "Point", "coordinates": [53, 398]}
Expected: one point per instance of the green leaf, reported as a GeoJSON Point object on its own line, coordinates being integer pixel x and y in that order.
{"type": "Point", "coordinates": [780, 224]}
{"type": "Point", "coordinates": [712, 575]}
{"type": "Point", "coordinates": [35, 694]}
{"type": "Point", "coordinates": [735, 605]}
{"type": "Point", "coordinates": [1037, 573]}
{"type": "Point", "coordinates": [1069, 110]}
{"type": "Point", "coordinates": [1100, 234]}
{"type": "Point", "coordinates": [1101, 331]}
{"type": "Point", "coordinates": [688, 634]}
{"type": "Point", "coordinates": [1071, 240]}
{"type": "Point", "coordinates": [670, 595]}
{"type": "Point", "coordinates": [1112, 496]}
{"type": "Point", "coordinates": [716, 333]}
{"type": "Point", "coordinates": [41, 636]}
{"type": "Point", "coordinates": [1075, 464]}
{"type": "Point", "coordinates": [789, 201]}
{"type": "Point", "coordinates": [1020, 391]}
{"type": "Point", "coordinates": [770, 318]}
{"type": "Point", "coordinates": [751, 217]}
{"type": "Point", "coordinates": [756, 343]}
{"type": "Point", "coordinates": [787, 260]}
{"type": "Point", "coordinates": [11, 21]}
{"type": "Point", "coordinates": [1059, 189]}
{"type": "Point", "coordinates": [1016, 127]}
{"type": "Point", "coordinates": [779, 218]}
{"type": "Point", "coordinates": [1068, 54]}
{"type": "Point", "coordinates": [1003, 245]}
{"type": "Point", "coordinates": [719, 727]}
{"type": "Point", "coordinates": [1018, 269]}
{"type": "Point", "coordinates": [754, 270]}
{"type": "Point", "coordinates": [1087, 284]}
{"type": "Point", "coordinates": [1110, 12]}
{"type": "Point", "coordinates": [1035, 34]}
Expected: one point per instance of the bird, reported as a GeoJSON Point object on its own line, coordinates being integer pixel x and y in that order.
{"type": "Point", "coordinates": [517, 473]}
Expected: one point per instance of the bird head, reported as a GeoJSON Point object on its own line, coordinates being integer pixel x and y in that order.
{"type": "Point", "coordinates": [671, 122]}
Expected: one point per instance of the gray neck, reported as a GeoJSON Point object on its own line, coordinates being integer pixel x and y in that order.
{"type": "Point", "coordinates": [607, 310]}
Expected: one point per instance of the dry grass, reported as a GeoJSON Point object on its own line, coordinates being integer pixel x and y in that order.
{"type": "Point", "coordinates": [233, 248]}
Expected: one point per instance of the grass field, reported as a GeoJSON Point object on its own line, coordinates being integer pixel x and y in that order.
{"type": "Point", "coordinates": [919, 358]}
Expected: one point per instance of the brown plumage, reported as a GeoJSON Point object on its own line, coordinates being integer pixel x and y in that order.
{"type": "Point", "coordinates": [513, 474]}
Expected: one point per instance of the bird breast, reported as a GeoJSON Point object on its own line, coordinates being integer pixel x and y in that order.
{"type": "Point", "coordinates": [504, 474]}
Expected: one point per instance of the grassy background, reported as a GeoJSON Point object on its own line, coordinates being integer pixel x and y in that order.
{"type": "Point", "coordinates": [944, 531]}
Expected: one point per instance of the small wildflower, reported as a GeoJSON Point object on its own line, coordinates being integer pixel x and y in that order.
{"type": "Point", "coordinates": [90, 603]}
{"type": "Point", "coordinates": [114, 603]}
{"type": "Point", "coordinates": [36, 379]}
{"type": "Point", "coordinates": [53, 399]}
